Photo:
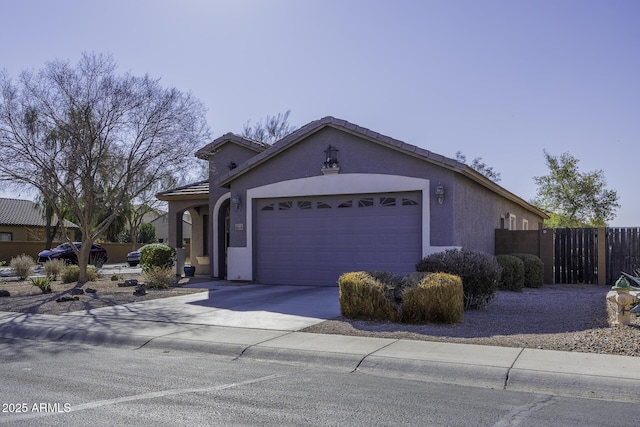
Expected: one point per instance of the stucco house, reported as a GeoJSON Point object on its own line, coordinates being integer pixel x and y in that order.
{"type": "Point", "coordinates": [23, 221]}
{"type": "Point", "coordinates": [333, 197]}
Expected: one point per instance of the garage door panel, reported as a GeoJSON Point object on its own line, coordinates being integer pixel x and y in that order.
{"type": "Point", "coordinates": [315, 245]}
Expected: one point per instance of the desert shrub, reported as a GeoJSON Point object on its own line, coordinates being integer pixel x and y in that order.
{"type": "Point", "coordinates": [439, 297]}
{"type": "Point", "coordinates": [533, 270]}
{"type": "Point", "coordinates": [52, 268]}
{"type": "Point", "coordinates": [362, 296]}
{"type": "Point", "coordinates": [479, 272]}
{"type": "Point", "coordinates": [392, 285]}
{"type": "Point", "coordinates": [23, 266]}
{"type": "Point", "coordinates": [159, 277]}
{"type": "Point", "coordinates": [157, 255]}
{"type": "Point", "coordinates": [44, 283]}
{"type": "Point", "coordinates": [71, 273]}
{"type": "Point", "coordinates": [512, 278]}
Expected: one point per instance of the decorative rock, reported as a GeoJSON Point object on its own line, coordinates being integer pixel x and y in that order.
{"type": "Point", "coordinates": [4, 293]}
{"type": "Point", "coordinates": [128, 283]}
{"type": "Point", "coordinates": [65, 298]}
{"type": "Point", "coordinates": [90, 291]}
{"type": "Point", "coordinates": [141, 289]}
{"type": "Point", "coordinates": [77, 291]}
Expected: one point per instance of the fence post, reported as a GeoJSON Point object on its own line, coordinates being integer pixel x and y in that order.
{"type": "Point", "coordinates": [602, 256]}
{"type": "Point", "coordinates": [545, 252]}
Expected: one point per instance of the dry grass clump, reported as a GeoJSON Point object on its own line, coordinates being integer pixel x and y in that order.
{"type": "Point", "coordinates": [363, 297]}
{"type": "Point", "coordinates": [438, 298]}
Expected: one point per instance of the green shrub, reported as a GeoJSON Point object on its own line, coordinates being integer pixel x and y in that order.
{"type": "Point", "coordinates": [23, 266]}
{"type": "Point", "coordinates": [44, 283]}
{"type": "Point", "coordinates": [159, 277]}
{"type": "Point", "coordinates": [479, 272]}
{"type": "Point", "coordinates": [362, 296]}
{"type": "Point", "coordinates": [71, 273]}
{"type": "Point", "coordinates": [439, 297]}
{"type": "Point", "coordinates": [512, 278]}
{"type": "Point", "coordinates": [533, 270]}
{"type": "Point", "coordinates": [157, 255]}
{"type": "Point", "coordinates": [52, 268]}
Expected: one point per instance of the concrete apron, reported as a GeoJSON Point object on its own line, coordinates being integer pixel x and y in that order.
{"type": "Point", "coordinates": [282, 308]}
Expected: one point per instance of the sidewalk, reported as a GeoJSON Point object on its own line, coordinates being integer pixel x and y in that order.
{"type": "Point", "coordinates": [235, 324]}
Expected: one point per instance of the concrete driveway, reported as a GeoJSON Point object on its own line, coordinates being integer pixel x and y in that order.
{"type": "Point", "coordinates": [272, 307]}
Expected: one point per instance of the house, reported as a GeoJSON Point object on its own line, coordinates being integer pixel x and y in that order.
{"type": "Point", "coordinates": [161, 224]}
{"type": "Point", "coordinates": [24, 221]}
{"type": "Point", "coordinates": [333, 197]}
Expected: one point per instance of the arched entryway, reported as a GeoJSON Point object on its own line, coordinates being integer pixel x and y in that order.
{"type": "Point", "coordinates": [223, 233]}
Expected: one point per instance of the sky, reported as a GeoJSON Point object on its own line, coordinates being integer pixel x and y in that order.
{"type": "Point", "coordinates": [503, 80]}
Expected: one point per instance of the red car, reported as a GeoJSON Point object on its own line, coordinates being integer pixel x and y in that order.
{"type": "Point", "coordinates": [97, 256]}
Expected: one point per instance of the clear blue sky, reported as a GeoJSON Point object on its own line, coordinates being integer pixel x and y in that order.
{"type": "Point", "coordinates": [502, 80]}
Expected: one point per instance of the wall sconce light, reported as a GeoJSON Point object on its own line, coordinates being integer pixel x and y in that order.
{"type": "Point", "coordinates": [235, 201]}
{"type": "Point", "coordinates": [331, 157]}
{"type": "Point", "coordinates": [440, 193]}
{"type": "Point", "coordinates": [232, 165]}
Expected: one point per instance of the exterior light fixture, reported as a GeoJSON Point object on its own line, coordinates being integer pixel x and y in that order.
{"type": "Point", "coordinates": [331, 156]}
{"type": "Point", "coordinates": [440, 193]}
{"type": "Point", "coordinates": [232, 165]}
{"type": "Point", "coordinates": [330, 164]}
{"type": "Point", "coordinates": [235, 201]}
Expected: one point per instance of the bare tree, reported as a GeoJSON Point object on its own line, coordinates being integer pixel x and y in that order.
{"type": "Point", "coordinates": [271, 130]}
{"type": "Point", "coordinates": [91, 140]}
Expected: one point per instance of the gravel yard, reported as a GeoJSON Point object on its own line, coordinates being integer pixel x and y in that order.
{"type": "Point", "coordinates": [554, 317]}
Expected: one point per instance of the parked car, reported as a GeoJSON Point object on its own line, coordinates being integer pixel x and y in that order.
{"type": "Point", "coordinates": [133, 258]}
{"type": "Point", "coordinates": [65, 252]}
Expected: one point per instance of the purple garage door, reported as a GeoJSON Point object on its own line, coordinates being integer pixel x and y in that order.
{"type": "Point", "coordinates": [313, 240]}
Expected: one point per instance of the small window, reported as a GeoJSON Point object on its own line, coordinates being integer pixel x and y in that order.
{"type": "Point", "coordinates": [347, 204]}
{"type": "Point", "coordinates": [304, 204]}
{"type": "Point", "coordinates": [323, 205]}
{"type": "Point", "coordinates": [525, 224]}
{"type": "Point", "coordinates": [6, 237]}
{"type": "Point", "coordinates": [387, 201]}
{"type": "Point", "coordinates": [512, 222]}
{"type": "Point", "coordinates": [285, 206]}
{"type": "Point", "coordinates": [268, 207]}
{"type": "Point", "coordinates": [365, 202]}
{"type": "Point", "coordinates": [408, 202]}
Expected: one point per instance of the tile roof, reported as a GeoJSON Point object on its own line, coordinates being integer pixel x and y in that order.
{"type": "Point", "coordinates": [249, 143]}
{"type": "Point", "coordinates": [195, 190]}
{"type": "Point", "coordinates": [23, 212]}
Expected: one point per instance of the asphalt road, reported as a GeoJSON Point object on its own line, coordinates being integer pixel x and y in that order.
{"type": "Point", "coordinates": [46, 383]}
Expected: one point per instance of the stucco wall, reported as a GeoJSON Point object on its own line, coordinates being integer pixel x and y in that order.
{"type": "Point", "coordinates": [355, 155]}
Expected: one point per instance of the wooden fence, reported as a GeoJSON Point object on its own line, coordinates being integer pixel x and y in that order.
{"type": "Point", "coordinates": [577, 255]}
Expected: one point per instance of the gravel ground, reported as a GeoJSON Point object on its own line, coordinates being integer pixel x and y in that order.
{"type": "Point", "coordinates": [554, 317]}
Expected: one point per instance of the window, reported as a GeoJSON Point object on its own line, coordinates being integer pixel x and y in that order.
{"type": "Point", "coordinates": [408, 202]}
{"type": "Point", "coordinates": [525, 224]}
{"type": "Point", "coordinates": [512, 222]}
{"type": "Point", "coordinates": [387, 201]}
{"type": "Point", "coordinates": [347, 204]}
{"type": "Point", "coordinates": [323, 205]}
{"type": "Point", "coordinates": [6, 237]}
{"type": "Point", "coordinates": [285, 206]}
{"type": "Point", "coordinates": [268, 207]}
{"type": "Point", "coordinates": [304, 204]}
{"type": "Point", "coordinates": [365, 202]}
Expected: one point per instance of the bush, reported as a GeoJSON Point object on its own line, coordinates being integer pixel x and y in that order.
{"type": "Point", "coordinates": [157, 255]}
{"type": "Point", "coordinates": [438, 298]}
{"type": "Point", "coordinates": [533, 270]}
{"type": "Point", "coordinates": [23, 266]}
{"type": "Point", "coordinates": [71, 273]}
{"type": "Point", "coordinates": [52, 268]}
{"type": "Point", "coordinates": [512, 278]}
{"type": "Point", "coordinates": [44, 283]}
{"type": "Point", "coordinates": [362, 296]}
{"type": "Point", "coordinates": [479, 272]}
{"type": "Point", "coordinates": [159, 277]}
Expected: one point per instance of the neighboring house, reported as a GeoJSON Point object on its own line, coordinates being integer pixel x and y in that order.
{"type": "Point", "coordinates": [161, 224]}
{"type": "Point", "coordinates": [334, 197]}
{"type": "Point", "coordinates": [24, 221]}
